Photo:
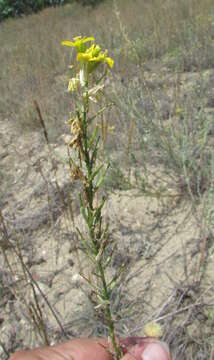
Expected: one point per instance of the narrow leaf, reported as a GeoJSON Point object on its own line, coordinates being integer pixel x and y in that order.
{"type": "Point", "coordinates": [100, 181]}
{"type": "Point", "coordinates": [93, 137]}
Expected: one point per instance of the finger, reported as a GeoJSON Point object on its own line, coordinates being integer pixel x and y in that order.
{"type": "Point", "coordinates": [156, 351]}
{"type": "Point", "coordinates": [78, 349]}
{"type": "Point", "coordinates": [90, 349]}
{"type": "Point", "coordinates": [145, 349]}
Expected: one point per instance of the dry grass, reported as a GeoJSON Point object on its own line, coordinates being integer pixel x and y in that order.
{"type": "Point", "coordinates": [34, 64]}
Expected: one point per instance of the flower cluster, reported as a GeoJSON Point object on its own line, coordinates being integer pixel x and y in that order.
{"type": "Point", "coordinates": [89, 57]}
{"type": "Point", "coordinates": [153, 329]}
{"type": "Point", "coordinates": [94, 56]}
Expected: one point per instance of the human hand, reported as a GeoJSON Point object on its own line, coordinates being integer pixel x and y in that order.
{"type": "Point", "coordinates": [135, 348]}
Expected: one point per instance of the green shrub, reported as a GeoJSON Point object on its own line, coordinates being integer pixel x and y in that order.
{"type": "Point", "coordinates": [11, 8]}
{"type": "Point", "coordinates": [89, 2]}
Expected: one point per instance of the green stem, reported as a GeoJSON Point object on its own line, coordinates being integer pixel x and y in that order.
{"type": "Point", "coordinates": [89, 189]}
{"type": "Point", "coordinates": [108, 311]}
{"type": "Point", "coordinates": [88, 161]}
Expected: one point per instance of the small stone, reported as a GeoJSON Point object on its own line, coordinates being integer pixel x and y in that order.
{"type": "Point", "coordinates": [70, 262]}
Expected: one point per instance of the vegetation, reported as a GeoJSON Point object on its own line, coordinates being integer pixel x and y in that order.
{"type": "Point", "coordinates": [85, 142]}
{"type": "Point", "coordinates": [89, 2]}
{"type": "Point", "coordinates": [158, 138]}
{"type": "Point", "coordinates": [11, 8]}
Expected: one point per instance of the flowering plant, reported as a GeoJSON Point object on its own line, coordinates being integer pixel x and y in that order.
{"type": "Point", "coordinates": [84, 142]}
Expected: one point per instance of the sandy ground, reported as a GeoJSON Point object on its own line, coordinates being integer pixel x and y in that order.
{"type": "Point", "coordinates": [158, 239]}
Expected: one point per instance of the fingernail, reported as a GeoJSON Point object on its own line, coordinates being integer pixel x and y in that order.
{"type": "Point", "coordinates": [156, 351]}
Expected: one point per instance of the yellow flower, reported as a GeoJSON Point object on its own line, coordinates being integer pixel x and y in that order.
{"type": "Point", "coordinates": [79, 43]}
{"type": "Point", "coordinates": [103, 58]}
{"type": "Point", "coordinates": [92, 51]}
{"type": "Point", "coordinates": [89, 57]}
{"type": "Point", "coordinates": [153, 329]}
{"type": "Point", "coordinates": [93, 57]}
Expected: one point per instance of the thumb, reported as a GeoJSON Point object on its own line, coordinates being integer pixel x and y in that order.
{"type": "Point", "coordinates": [156, 350]}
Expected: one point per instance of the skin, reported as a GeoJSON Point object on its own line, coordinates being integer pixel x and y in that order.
{"type": "Point", "coordinates": [135, 348]}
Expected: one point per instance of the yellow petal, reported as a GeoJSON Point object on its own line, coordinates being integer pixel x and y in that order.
{"type": "Point", "coordinates": [99, 58]}
{"type": "Point", "coordinates": [83, 57]}
{"type": "Point", "coordinates": [110, 62]}
{"type": "Point", "coordinates": [78, 43]}
{"type": "Point", "coordinates": [83, 39]}
{"type": "Point", "coordinates": [77, 38]}
{"type": "Point", "coordinates": [90, 38]}
{"type": "Point", "coordinates": [68, 43]}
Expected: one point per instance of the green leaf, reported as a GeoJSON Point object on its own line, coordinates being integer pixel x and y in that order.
{"type": "Point", "coordinates": [102, 77]}
{"type": "Point", "coordinates": [99, 112]}
{"type": "Point", "coordinates": [112, 283]}
{"type": "Point", "coordinates": [90, 217]}
{"type": "Point", "coordinates": [96, 172]}
{"type": "Point", "coordinates": [109, 258]}
{"type": "Point", "coordinates": [98, 211]}
{"type": "Point", "coordinates": [101, 179]}
{"type": "Point", "coordinates": [93, 137]}
{"type": "Point", "coordinates": [94, 154]}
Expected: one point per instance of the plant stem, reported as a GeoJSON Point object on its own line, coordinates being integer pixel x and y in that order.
{"type": "Point", "coordinates": [94, 220]}
{"type": "Point", "coordinates": [108, 311]}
